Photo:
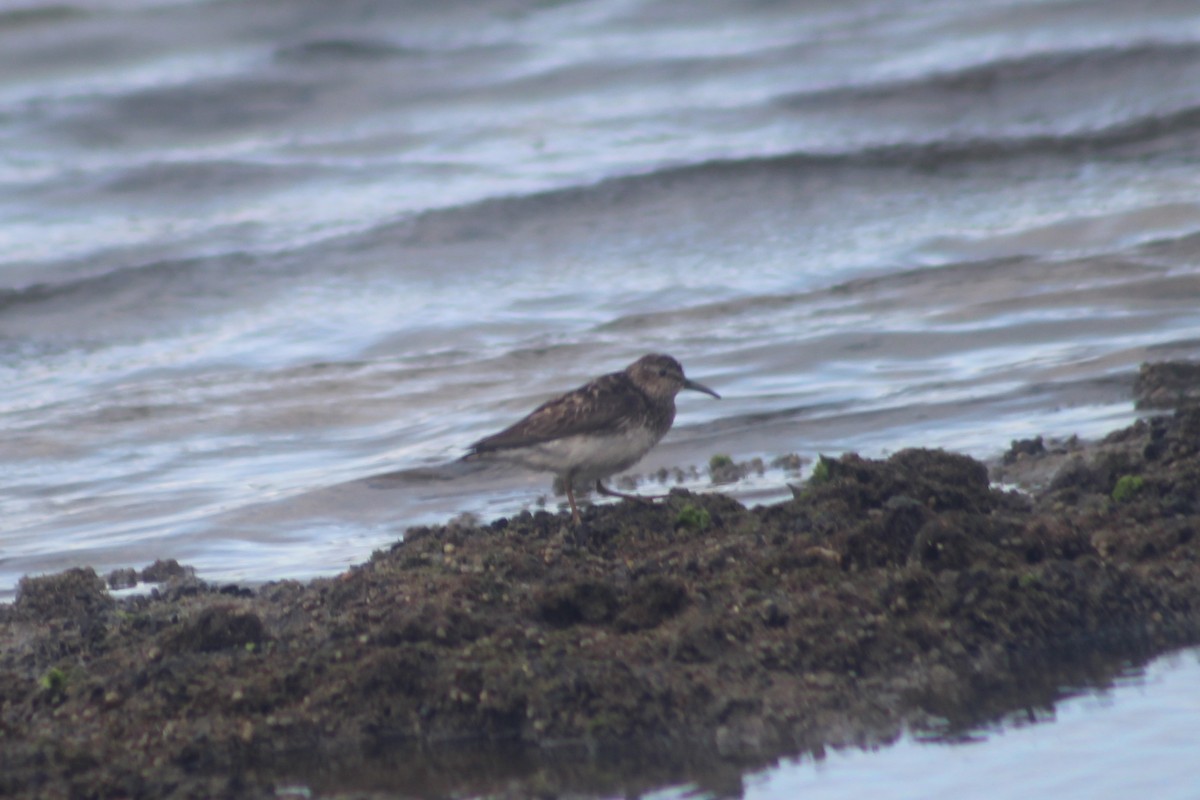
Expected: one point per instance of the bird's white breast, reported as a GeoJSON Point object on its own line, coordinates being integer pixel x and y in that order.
{"type": "Point", "coordinates": [587, 457]}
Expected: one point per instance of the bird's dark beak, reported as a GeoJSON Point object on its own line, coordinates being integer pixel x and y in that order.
{"type": "Point", "coordinates": [699, 387]}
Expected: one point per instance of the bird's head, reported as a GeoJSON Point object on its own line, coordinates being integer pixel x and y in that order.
{"type": "Point", "coordinates": [662, 376]}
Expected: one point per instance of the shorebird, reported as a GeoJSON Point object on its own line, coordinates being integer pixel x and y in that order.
{"type": "Point", "coordinates": [597, 430]}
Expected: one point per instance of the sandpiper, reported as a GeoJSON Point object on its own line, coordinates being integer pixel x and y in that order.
{"type": "Point", "coordinates": [597, 430]}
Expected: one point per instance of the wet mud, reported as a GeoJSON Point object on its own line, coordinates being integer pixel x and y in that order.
{"type": "Point", "coordinates": [687, 640]}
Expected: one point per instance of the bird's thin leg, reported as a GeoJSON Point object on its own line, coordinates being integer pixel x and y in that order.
{"type": "Point", "coordinates": [643, 498]}
{"type": "Point", "coordinates": [571, 499]}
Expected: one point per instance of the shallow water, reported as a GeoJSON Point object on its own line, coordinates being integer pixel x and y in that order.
{"type": "Point", "coordinates": [267, 267]}
{"type": "Point", "coordinates": [1128, 740]}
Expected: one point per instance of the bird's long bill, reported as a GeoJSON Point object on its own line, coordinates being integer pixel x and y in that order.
{"type": "Point", "coordinates": [699, 387]}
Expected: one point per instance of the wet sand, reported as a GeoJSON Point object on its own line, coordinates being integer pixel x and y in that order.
{"type": "Point", "coordinates": [690, 640]}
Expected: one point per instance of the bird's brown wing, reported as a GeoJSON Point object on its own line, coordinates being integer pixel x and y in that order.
{"type": "Point", "coordinates": [591, 407]}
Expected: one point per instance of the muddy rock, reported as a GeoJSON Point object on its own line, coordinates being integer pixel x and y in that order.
{"type": "Point", "coordinates": [217, 627]}
{"type": "Point", "coordinates": [689, 640]}
{"type": "Point", "coordinates": [75, 594]}
{"type": "Point", "coordinates": [1172, 384]}
{"type": "Point", "coordinates": [122, 578]}
{"type": "Point", "coordinates": [164, 570]}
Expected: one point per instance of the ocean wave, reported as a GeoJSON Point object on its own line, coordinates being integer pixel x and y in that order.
{"type": "Point", "coordinates": [170, 181]}
{"type": "Point", "coordinates": [1113, 67]}
{"type": "Point", "coordinates": [144, 288]}
{"type": "Point", "coordinates": [28, 17]}
{"type": "Point", "coordinates": [360, 49]}
{"type": "Point", "coordinates": [1174, 135]}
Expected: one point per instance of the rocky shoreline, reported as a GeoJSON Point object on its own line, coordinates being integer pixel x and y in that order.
{"type": "Point", "coordinates": [688, 640]}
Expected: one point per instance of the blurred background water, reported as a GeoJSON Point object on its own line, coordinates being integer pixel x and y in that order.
{"type": "Point", "coordinates": [265, 265]}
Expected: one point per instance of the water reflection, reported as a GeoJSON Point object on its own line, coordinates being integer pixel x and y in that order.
{"type": "Point", "coordinates": [1092, 725]}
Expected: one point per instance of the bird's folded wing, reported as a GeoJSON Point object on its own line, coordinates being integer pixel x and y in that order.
{"type": "Point", "coordinates": [588, 409]}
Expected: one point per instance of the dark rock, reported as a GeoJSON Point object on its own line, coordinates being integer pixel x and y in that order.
{"type": "Point", "coordinates": [583, 602]}
{"type": "Point", "coordinates": [160, 571]}
{"type": "Point", "coordinates": [122, 578]}
{"type": "Point", "coordinates": [218, 628]}
{"type": "Point", "coordinates": [652, 602]}
{"type": "Point", "coordinates": [1022, 448]}
{"type": "Point", "coordinates": [78, 592]}
{"type": "Point", "coordinates": [942, 544]}
{"type": "Point", "coordinates": [1172, 384]}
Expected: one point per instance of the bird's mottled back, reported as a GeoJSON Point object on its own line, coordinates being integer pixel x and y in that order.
{"type": "Point", "coordinates": [592, 408]}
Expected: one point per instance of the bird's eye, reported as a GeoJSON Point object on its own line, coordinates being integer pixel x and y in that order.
{"type": "Point", "coordinates": [662, 373]}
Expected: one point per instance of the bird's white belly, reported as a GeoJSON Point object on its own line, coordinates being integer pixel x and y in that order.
{"type": "Point", "coordinates": [588, 457]}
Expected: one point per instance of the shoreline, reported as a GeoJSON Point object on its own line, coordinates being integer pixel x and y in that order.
{"type": "Point", "coordinates": [690, 640]}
